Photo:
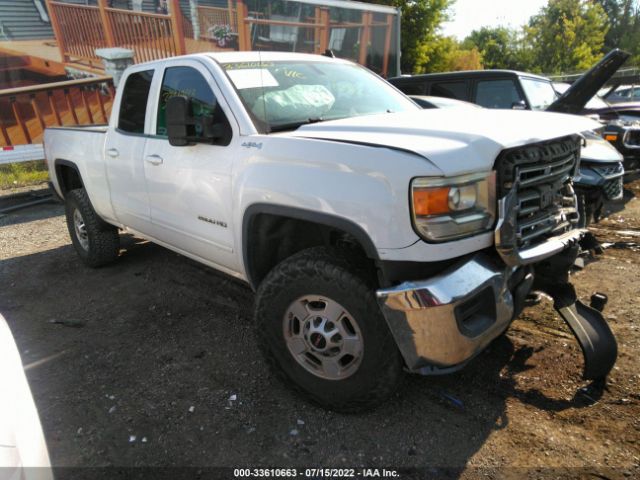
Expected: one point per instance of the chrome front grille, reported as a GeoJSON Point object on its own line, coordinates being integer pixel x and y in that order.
{"type": "Point", "coordinates": [543, 173]}
{"type": "Point", "coordinates": [537, 203]}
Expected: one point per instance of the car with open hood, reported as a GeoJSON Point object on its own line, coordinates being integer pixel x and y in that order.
{"type": "Point", "coordinates": [622, 125]}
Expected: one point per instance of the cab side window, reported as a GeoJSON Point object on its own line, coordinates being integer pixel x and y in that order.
{"type": "Point", "coordinates": [133, 105]}
{"type": "Point", "coordinates": [497, 94]}
{"type": "Point", "coordinates": [413, 88]}
{"type": "Point", "coordinates": [188, 82]}
{"type": "Point", "coordinates": [456, 90]}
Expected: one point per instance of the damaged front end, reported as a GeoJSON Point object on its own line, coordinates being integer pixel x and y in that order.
{"type": "Point", "coordinates": [539, 226]}
{"type": "Point", "coordinates": [441, 323]}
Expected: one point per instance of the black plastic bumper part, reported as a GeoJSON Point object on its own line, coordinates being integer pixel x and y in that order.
{"type": "Point", "coordinates": [599, 346]}
{"type": "Point", "coordinates": [596, 340]}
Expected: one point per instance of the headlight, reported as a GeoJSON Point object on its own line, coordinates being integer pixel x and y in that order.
{"type": "Point", "coordinates": [451, 208]}
{"type": "Point", "coordinates": [599, 136]}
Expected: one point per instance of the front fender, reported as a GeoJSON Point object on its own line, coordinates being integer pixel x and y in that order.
{"type": "Point", "coordinates": [318, 218]}
{"type": "Point", "coordinates": [366, 186]}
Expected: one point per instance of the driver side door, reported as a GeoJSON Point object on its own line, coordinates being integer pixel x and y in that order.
{"type": "Point", "coordinates": [190, 186]}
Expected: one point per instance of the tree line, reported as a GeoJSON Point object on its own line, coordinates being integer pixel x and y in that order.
{"type": "Point", "coordinates": [564, 36]}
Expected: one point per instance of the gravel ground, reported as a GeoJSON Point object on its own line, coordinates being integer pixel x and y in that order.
{"type": "Point", "coordinates": [152, 362]}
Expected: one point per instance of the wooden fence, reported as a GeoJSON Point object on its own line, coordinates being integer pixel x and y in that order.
{"type": "Point", "coordinates": [210, 17]}
{"type": "Point", "coordinates": [81, 29]}
{"type": "Point", "coordinates": [26, 111]}
{"type": "Point", "coordinates": [149, 35]}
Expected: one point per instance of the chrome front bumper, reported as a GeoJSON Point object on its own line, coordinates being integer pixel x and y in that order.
{"type": "Point", "coordinates": [440, 323]}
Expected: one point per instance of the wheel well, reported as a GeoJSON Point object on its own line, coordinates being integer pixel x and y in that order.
{"type": "Point", "coordinates": [270, 238]}
{"type": "Point", "coordinates": [68, 177]}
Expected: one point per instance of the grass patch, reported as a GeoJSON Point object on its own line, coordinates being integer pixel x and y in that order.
{"type": "Point", "coordinates": [23, 174]}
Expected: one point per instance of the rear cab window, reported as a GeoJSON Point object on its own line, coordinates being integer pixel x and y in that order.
{"type": "Point", "coordinates": [133, 103]}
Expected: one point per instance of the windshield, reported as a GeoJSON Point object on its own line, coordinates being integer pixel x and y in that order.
{"type": "Point", "coordinates": [284, 95]}
{"type": "Point", "coordinates": [540, 93]}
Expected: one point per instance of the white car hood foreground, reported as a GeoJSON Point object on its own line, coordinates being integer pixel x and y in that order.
{"type": "Point", "coordinates": [23, 452]}
{"type": "Point", "coordinates": [455, 141]}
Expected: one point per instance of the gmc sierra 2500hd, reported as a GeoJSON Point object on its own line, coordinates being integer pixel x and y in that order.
{"type": "Point", "coordinates": [378, 236]}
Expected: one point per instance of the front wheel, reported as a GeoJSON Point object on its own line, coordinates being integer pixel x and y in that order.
{"type": "Point", "coordinates": [320, 328]}
{"type": "Point", "coordinates": [96, 242]}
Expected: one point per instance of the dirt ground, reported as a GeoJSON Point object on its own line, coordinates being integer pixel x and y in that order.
{"type": "Point", "coordinates": [152, 362]}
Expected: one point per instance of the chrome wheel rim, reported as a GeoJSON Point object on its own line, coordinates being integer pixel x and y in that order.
{"type": "Point", "coordinates": [323, 337]}
{"type": "Point", "coordinates": [80, 229]}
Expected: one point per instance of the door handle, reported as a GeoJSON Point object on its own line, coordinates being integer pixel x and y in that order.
{"type": "Point", "coordinates": [153, 159]}
{"type": "Point", "coordinates": [113, 152]}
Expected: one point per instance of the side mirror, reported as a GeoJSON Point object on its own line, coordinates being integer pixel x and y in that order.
{"type": "Point", "coordinates": [178, 120]}
{"type": "Point", "coordinates": [182, 127]}
{"type": "Point", "coordinates": [211, 131]}
{"type": "Point", "coordinates": [519, 105]}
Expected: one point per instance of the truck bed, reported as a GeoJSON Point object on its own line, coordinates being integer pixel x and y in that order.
{"type": "Point", "coordinates": [83, 147]}
{"type": "Point", "coordinates": [97, 127]}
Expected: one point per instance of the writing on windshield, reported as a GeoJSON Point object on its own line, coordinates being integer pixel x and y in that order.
{"type": "Point", "coordinates": [285, 95]}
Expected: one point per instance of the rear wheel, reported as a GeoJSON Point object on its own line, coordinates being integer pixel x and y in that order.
{"type": "Point", "coordinates": [320, 328]}
{"type": "Point", "coordinates": [96, 242]}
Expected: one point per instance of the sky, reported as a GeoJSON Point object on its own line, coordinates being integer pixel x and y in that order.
{"type": "Point", "coordinates": [468, 15]}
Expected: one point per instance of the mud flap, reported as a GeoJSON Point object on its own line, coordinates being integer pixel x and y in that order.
{"type": "Point", "coordinates": [599, 346]}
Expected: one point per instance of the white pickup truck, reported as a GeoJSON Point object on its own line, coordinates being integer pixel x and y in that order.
{"type": "Point", "coordinates": [378, 236]}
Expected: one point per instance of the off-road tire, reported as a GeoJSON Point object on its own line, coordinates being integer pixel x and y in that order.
{"type": "Point", "coordinates": [335, 275]}
{"type": "Point", "coordinates": [103, 238]}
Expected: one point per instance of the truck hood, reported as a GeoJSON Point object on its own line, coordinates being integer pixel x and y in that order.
{"type": "Point", "coordinates": [585, 87]}
{"type": "Point", "coordinates": [452, 142]}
